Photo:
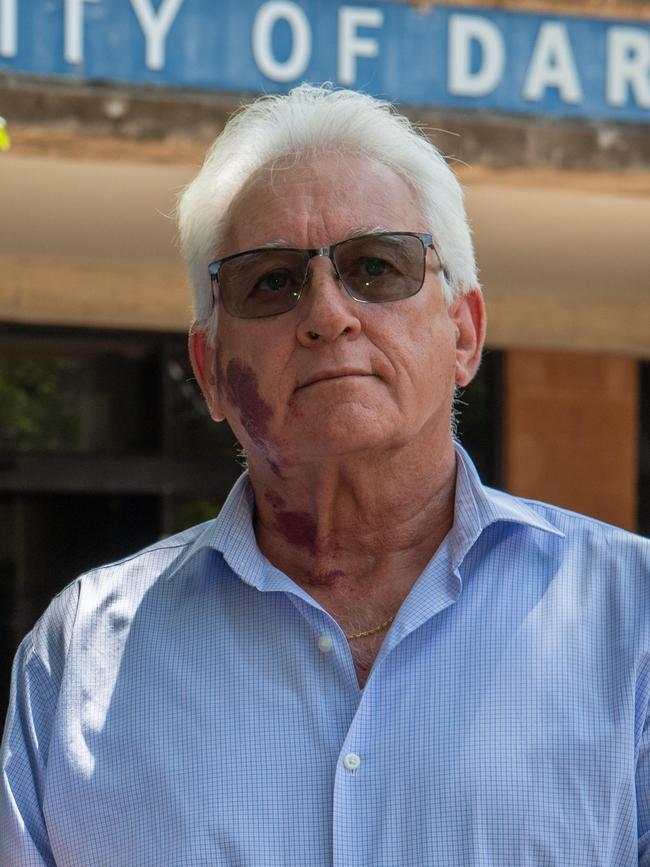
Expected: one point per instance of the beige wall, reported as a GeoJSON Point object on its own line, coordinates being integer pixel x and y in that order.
{"type": "Point", "coordinates": [571, 432]}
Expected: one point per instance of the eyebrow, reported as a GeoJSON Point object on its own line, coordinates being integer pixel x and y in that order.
{"type": "Point", "coordinates": [275, 242]}
{"type": "Point", "coordinates": [282, 243]}
{"type": "Point", "coordinates": [356, 232]}
{"type": "Point", "coordinates": [367, 230]}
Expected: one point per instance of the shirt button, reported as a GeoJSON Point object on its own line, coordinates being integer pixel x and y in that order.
{"type": "Point", "coordinates": [352, 761]}
{"type": "Point", "coordinates": [325, 643]}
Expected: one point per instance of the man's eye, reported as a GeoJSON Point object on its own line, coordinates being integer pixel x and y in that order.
{"type": "Point", "coordinates": [274, 282]}
{"type": "Point", "coordinates": [374, 267]}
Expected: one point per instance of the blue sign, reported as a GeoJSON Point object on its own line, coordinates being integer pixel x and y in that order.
{"type": "Point", "coordinates": [445, 56]}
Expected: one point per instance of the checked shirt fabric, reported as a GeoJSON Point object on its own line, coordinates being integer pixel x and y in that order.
{"type": "Point", "coordinates": [192, 705]}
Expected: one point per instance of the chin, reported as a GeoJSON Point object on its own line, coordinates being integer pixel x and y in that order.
{"type": "Point", "coordinates": [335, 437]}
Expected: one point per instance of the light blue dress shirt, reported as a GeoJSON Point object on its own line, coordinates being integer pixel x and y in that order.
{"type": "Point", "coordinates": [191, 705]}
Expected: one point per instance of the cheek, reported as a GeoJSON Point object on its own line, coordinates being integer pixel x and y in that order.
{"type": "Point", "coordinates": [429, 363]}
{"type": "Point", "coordinates": [240, 385]}
{"type": "Point", "coordinates": [219, 371]}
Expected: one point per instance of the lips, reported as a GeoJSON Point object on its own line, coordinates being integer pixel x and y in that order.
{"type": "Point", "coordinates": [324, 375]}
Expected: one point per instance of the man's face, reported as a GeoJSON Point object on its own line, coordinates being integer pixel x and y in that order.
{"type": "Point", "coordinates": [334, 376]}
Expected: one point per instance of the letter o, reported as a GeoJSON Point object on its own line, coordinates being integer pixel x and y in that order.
{"type": "Point", "coordinates": [265, 20]}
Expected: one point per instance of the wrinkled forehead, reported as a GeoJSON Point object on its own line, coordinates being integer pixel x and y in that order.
{"type": "Point", "coordinates": [317, 200]}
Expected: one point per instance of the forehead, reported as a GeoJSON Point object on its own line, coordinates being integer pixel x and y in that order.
{"type": "Point", "coordinates": [319, 201]}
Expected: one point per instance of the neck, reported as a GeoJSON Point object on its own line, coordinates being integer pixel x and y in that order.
{"type": "Point", "coordinates": [345, 528]}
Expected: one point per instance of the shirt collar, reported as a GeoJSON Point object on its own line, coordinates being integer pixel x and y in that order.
{"type": "Point", "coordinates": [476, 508]}
{"type": "Point", "coordinates": [233, 534]}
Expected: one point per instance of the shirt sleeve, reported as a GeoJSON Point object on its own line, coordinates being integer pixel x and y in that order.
{"type": "Point", "coordinates": [35, 683]}
{"type": "Point", "coordinates": [643, 763]}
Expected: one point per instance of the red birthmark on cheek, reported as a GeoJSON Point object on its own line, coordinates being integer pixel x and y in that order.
{"type": "Point", "coordinates": [242, 391]}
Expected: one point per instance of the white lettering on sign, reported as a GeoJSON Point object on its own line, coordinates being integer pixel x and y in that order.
{"type": "Point", "coordinates": [351, 45]}
{"type": "Point", "coordinates": [267, 17]}
{"type": "Point", "coordinates": [73, 30]}
{"type": "Point", "coordinates": [628, 65]}
{"type": "Point", "coordinates": [155, 27]}
{"type": "Point", "coordinates": [463, 30]}
{"type": "Point", "coordinates": [8, 28]}
{"type": "Point", "coordinates": [552, 65]}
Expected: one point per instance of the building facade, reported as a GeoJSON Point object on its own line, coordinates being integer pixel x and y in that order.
{"type": "Point", "coordinates": [542, 109]}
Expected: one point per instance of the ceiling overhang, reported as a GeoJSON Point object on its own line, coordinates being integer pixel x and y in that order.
{"type": "Point", "coordinates": [92, 243]}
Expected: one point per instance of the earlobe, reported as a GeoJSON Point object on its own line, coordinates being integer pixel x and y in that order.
{"type": "Point", "coordinates": [468, 314]}
{"type": "Point", "coordinates": [203, 359]}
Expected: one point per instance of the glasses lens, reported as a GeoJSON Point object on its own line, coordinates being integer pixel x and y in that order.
{"type": "Point", "coordinates": [381, 267]}
{"type": "Point", "coordinates": [262, 283]}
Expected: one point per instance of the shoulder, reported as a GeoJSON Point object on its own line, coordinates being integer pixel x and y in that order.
{"type": "Point", "coordinates": [113, 590]}
{"type": "Point", "coordinates": [87, 624]}
{"type": "Point", "coordinates": [581, 543]}
{"type": "Point", "coordinates": [571, 564]}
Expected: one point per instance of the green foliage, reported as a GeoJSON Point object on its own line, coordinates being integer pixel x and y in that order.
{"type": "Point", "coordinates": [37, 411]}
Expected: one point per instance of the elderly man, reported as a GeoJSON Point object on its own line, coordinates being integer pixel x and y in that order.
{"type": "Point", "coordinates": [368, 658]}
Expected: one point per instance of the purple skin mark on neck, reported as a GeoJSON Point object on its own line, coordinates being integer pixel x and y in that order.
{"type": "Point", "coordinates": [299, 529]}
{"type": "Point", "coordinates": [275, 468]}
{"type": "Point", "coordinates": [241, 389]}
{"type": "Point", "coordinates": [326, 579]}
{"type": "Point", "coordinates": [276, 501]}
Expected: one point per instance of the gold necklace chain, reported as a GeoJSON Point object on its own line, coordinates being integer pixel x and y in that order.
{"type": "Point", "coordinates": [371, 631]}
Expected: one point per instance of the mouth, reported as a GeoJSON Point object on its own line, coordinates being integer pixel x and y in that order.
{"type": "Point", "coordinates": [329, 375]}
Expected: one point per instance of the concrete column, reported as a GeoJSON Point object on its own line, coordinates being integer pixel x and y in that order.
{"type": "Point", "coordinates": [571, 432]}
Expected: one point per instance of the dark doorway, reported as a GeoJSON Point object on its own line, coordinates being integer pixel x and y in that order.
{"type": "Point", "coordinates": [105, 447]}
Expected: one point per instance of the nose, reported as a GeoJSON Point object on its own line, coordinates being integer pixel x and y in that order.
{"type": "Point", "coordinates": [326, 311]}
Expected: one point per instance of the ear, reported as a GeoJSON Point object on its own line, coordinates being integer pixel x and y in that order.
{"type": "Point", "coordinates": [204, 364]}
{"type": "Point", "coordinates": [467, 311]}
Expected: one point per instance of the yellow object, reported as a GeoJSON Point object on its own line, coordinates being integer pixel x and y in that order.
{"type": "Point", "coordinates": [5, 141]}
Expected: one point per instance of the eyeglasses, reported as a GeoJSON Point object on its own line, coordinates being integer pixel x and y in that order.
{"type": "Point", "coordinates": [386, 266]}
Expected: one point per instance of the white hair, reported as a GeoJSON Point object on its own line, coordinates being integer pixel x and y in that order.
{"type": "Point", "coordinates": [308, 121]}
